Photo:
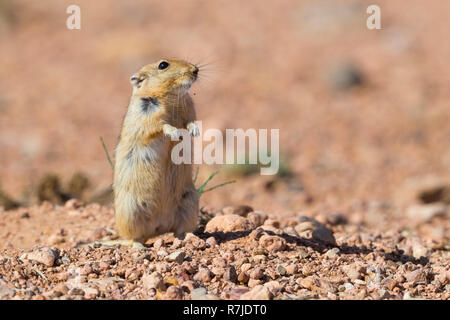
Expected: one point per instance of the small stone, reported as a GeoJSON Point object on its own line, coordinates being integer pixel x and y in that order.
{"type": "Point", "coordinates": [257, 273]}
{"type": "Point", "coordinates": [91, 293]}
{"type": "Point", "coordinates": [332, 253]}
{"type": "Point", "coordinates": [194, 241]}
{"type": "Point", "coordinates": [272, 243]}
{"type": "Point", "coordinates": [245, 267]}
{"type": "Point", "coordinates": [177, 256]}
{"type": "Point", "coordinates": [254, 282]}
{"type": "Point", "coordinates": [292, 269]}
{"type": "Point", "coordinates": [281, 270]}
{"type": "Point", "coordinates": [259, 292]}
{"type": "Point", "coordinates": [256, 234]}
{"type": "Point", "coordinates": [348, 286]}
{"type": "Point", "coordinates": [211, 242]}
{"type": "Point", "coordinates": [61, 288]}
{"type": "Point", "coordinates": [390, 283]}
{"type": "Point", "coordinates": [304, 226]}
{"type": "Point", "coordinates": [419, 251]}
{"type": "Point", "coordinates": [351, 272]}
{"type": "Point", "coordinates": [162, 253]}
{"type": "Point", "coordinates": [416, 276]}
{"type": "Point", "coordinates": [177, 243]}
{"type": "Point", "coordinates": [274, 287]}
{"type": "Point", "coordinates": [235, 293]}
{"type": "Point", "coordinates": [73, 204]}
{"type": "Point", "coordinates": [257, 218]}
{"type": "Point", "coordinates": [272, 222]}
{"type": "Point", "coordinates": [239, 210]}
{"type": "Point", "coordinates": [243, 277]}
{"type": "Point", "coordinates": [173, 293]}
{"type": "Point", "coordinates": [203, 275]}
{"type": "Point", "coordinates": [159, 243]}
{"type": "Point", "coordinates": [324, 235]}
{"type": "Point", "coordinates": [336, 219]}
{"type": "Point", "coordinates": [308, 283]}
{"type": "Point", "coordinates": [230, 274]}
{"type": "Point", "coordinates": [45, 256]}
{"type": "Point", "coordinates": [198, 293]}
{"type": "Point", "coordinates": [76, 292]}
{"type": "Point", "coordinates": [6, 291]}
{"type": "Point", "coordinates": [228, 223]}
{"type": "Point", "coordinates": [316, 230]}
{"type": "Point", "coordinates": [154, 280]}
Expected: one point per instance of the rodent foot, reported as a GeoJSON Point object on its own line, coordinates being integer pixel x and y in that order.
{"type": "Point", "coordinates": [193, 129]}
{"type": "Point", "coordinates": [172, 132]}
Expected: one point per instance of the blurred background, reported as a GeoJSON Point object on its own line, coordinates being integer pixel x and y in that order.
{"type": "Point", "coordinates": [363, 114]}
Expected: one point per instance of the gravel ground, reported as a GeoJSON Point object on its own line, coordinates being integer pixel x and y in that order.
{"type": "Point", "coordinates": [240, 253]}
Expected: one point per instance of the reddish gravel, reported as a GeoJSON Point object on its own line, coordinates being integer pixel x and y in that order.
{"type": "Point", "coordinates": [299, 258]}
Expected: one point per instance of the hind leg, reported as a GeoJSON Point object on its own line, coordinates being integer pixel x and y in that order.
{"type": "Point", "coordinates": [187, 214]}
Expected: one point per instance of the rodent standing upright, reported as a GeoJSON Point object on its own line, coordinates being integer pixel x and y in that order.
{"type": "Point", "coordinates": [152, 195]}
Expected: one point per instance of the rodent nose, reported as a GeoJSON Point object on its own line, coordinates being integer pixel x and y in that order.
{"type": "Point", "coordinates": [195, 72]}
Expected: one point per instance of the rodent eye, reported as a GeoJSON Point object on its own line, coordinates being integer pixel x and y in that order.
{"type": "Point", "coordinates": [163, 65]}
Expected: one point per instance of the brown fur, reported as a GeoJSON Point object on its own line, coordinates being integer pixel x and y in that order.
{"type": "Point", "coordinates": [152, 195]}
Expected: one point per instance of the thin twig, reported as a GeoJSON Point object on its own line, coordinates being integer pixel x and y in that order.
{"type": "Point", "coordinates": [107, 154]}
{"type": "Point", "coordinates": [219, 185]}
{"type": "Point", "coordinates": [39, 272]}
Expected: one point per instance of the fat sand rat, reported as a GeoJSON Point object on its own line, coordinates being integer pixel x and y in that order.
{"type": "Point", "coordinates": [152, 195]}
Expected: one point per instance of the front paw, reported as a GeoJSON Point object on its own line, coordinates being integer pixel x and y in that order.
{"type": "Point", "coordinates": [172, 132]}
{"type": "Point", "coordinates": [193, 129]}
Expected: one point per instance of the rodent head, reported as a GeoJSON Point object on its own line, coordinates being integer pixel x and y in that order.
{"type": "Point", "coordinates": [171, 76]}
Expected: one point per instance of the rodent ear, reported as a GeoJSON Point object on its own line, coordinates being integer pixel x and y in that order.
{"type": "Point", "coordinates": [137, 78]}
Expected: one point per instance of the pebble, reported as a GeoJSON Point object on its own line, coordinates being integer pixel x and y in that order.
{"type": "Point", "coordinates": [159, 243]}
{"type": "Point", "coordinates": [308, 283]}
{"type": "Point", "coordinates": [173, 293]}
{"type": "Point", "coordinates": [203, 275]}
{"type": "Point", "coordinates": [416, 276]}
{"type": "Point", "coordinates": [257, 218]}
{"type": "Point", "coordinates": [228, 223]}
{"type": "Point", "coordinates": [332, 253]}
{"type": "Point", "coordinates": [237, 210]}
{"type": "Point", "coordinates": [272, 243]}
{"type": "Point", "coordinates": [257, 273]}
{"type": "Point", "coordinates": [292, 269]}
{"type": "Point", "coordinates": [177, 243]}
{"type": "Point", "coordinates": [259, 292]}
{"type": "Point", "coordinates": [177, 256]}
{"type": "Point", "coordinates": [76, 292]}
{"type": "Point", "coordinates": [318, 231]}
{"type": "Point", "coordinates": [230, 274]}
{"type": "Point", "coordinates": [419, 251]}
{"type": "Point", "coordinates": [211, 242]}
{"type": "Point", "coordinates": [6, 291]}
{"type": "Point", "coordinates": [243, 277]}
{"type": "Point", "coordinates": [91, 293]}
{"type": "Point", "coordinates": [154, 280]}
{"type": "Point", "coordinates": [351, 272]}
{"type": "Point", "coordinates": [281, 270]}
{"type": "Point", "coordinates": [45, 256]}
{"type": "Point", "coordinates": [198, 293]}
{"type": "Point", "coordinates": [274, 287]}
{"type": "Point", "coordinates": [194, 241]}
